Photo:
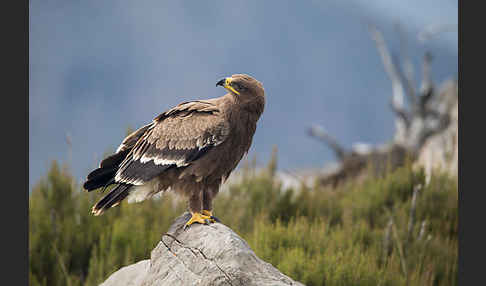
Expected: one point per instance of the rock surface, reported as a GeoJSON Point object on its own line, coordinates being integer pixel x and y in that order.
{"type": "Point", "coordinates": [201, 255]}
{"type": "Point", "coordinates": [131, 275]}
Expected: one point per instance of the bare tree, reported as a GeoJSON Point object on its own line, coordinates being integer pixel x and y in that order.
{"type": "Point", "coordinates": [427, 113]}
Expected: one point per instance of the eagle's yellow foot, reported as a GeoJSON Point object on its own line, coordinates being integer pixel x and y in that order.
{"type": "Point", "coordinates": [210, 215]}
{"type": "Point", "coordinates": [199, 218]}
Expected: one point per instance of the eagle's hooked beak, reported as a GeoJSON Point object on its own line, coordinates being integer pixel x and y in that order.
{"type": "Point", "coordinates": [221, 82]}
{"type": "Point", "coordinates": [226, 83]}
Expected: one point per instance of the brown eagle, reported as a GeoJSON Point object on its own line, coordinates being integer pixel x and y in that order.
{"type": "Point", "coordinates": [191, 149]}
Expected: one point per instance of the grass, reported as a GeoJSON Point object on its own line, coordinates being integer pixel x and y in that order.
{"type": "Point", "coordinates": [357, 234]}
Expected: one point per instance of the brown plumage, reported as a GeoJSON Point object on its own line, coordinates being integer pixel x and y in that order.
{"type": "Point", "coordinates": [191, 149]}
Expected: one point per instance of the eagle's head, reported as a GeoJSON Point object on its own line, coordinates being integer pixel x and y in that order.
{"type": "Point", "coordinates": [245, 88]}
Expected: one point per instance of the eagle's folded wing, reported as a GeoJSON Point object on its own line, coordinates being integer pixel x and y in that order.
{"type": "Point", "coordinates": [174, 139]}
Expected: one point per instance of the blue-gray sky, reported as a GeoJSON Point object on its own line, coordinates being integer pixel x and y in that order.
{"type": "Point", "coordinates": [98, 67]}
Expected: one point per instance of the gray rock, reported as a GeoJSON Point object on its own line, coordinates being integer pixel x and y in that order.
{"type": "Point", "coordinates": [201, 255]}
{"type": "Point", "coordinates": [131, 275]}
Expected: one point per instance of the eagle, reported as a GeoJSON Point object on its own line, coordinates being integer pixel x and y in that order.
{"type": "Point", "coordinates": [190, 149]}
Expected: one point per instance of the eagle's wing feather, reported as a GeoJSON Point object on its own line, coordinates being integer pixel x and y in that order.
{"type": "Point", "coordinates": [104, 174]}
{"type": "Point", "coordinates": [174, 139]}
{"type": "Point", "coordinates": [131, 139]}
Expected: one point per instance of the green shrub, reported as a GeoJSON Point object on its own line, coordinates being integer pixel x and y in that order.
{"type": "Point", "coordinates": [318, 236]}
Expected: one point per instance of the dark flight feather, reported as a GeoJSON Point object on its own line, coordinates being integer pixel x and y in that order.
{"type": "Point", "coordinates": [114, 160]}
{"type": "Point", "coordinates": [115, 196]}
{"type": "Point", "coordinates": [104, 175]}
{"type": "Point", "coordinates": [99, 179]}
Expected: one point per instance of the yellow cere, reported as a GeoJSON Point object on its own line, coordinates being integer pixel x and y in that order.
{"type": "Point", "coordinates": [229, 87]}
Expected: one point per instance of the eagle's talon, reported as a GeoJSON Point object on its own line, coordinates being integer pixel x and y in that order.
{"type": "Point", "coordinates": [206, 212]}
{"type": "Point", "coordinates": [212, 218]}
{"type": "Point", "coordinates": [199, 218]}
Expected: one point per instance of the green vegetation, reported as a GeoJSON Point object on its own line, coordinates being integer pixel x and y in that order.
{"type": "Point", "coordinates": [357, 234]}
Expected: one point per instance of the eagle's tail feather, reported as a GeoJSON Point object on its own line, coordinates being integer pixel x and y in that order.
{"type": "Point", "coordinates": [113, 198]}
{"type": "Point", "coordinates": [100, 178]}
{"type": "Point", "coordinates": [104, 175]}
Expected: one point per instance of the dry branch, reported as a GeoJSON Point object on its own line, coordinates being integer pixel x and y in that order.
{"type": "Point", "coordinates": [411, 219]}
{"type": "Point", "coordinates": [422, 230]}
{"type": "Point", "coordinates": [387, 241]}
{"type": "Point", "coordinates": [408, 66]}
{"type": "Point", "coordinates": [428, 113]}
{"type": "Point", "coordinates": [318, 132]}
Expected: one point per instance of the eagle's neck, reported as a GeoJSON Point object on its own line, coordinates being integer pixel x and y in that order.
{"type": "Point", "coordinates": [249, 104]}
{"type": "Point", "coordinates": [255, 106]}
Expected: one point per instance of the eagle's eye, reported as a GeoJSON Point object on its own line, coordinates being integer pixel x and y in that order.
{"type": "Point", "coordinates": [238, 86]}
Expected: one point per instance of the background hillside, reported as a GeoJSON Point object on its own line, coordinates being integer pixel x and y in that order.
{"type": "Point", "coordinates": [96, 68]}
{"type": "Point", "coordinates": [383, 231]}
